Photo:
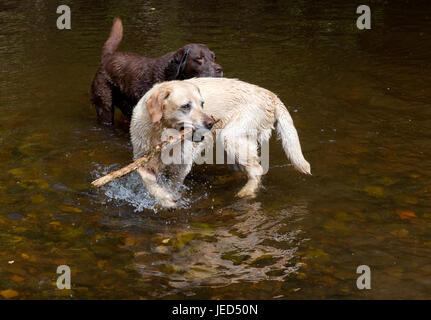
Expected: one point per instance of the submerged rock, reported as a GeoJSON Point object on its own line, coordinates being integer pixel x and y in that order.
{"type": "Point", "coordinates": [9, 293]}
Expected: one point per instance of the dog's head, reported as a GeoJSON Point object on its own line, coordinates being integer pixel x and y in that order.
{"type": "Point", "coordinates": [179, 105]}
{"type": "Point", "coordinates": [194, 60]}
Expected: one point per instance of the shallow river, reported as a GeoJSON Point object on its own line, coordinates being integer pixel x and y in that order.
{"type": "Point", "coordinates": [360, 101]}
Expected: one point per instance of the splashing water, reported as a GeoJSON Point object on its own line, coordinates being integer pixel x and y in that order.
{"type": "Point", "coordinates": [130, 190]}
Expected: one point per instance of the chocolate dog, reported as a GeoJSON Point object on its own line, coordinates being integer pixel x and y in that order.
{"type": "Point", "coordinates": [123, 78]}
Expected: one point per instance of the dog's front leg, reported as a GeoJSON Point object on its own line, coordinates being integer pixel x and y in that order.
{"type": "Point", "coordinates": [163, 196]}
{"type": "Point", "coordinates": [178, 172]}
{"type": "Point", "coordinates": [181, 171]}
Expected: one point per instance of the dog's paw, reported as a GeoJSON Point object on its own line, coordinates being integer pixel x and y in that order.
{"type": "Point", "coordinates": [175, 196]}
{"type": "Point", "coordinates": [246, 193]}
{"type": "Point", "coordinates": [168, 202]}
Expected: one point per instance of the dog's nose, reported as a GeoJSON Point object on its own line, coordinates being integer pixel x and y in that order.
{"type": "Point", "coordinates": [208, 123]}
{"type": "Point", "coordinates": [219, 69]}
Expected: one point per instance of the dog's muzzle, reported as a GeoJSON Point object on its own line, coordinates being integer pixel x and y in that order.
{"type": "Point", "coordinates": [197, 135]}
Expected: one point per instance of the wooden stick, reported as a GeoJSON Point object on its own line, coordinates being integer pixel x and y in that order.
{"type": "Point", "coordinates": [147, 157]}
{"type": "Point", "coordinates": [139, 162]}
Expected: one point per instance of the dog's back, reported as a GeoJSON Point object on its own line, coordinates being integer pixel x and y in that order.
{"type": "Point", "coordinates": [231, 98]}
{"type": "Point", "coordinates": [247, 109]}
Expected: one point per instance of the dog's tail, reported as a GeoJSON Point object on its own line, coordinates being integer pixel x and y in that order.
{"type": "Point", "coordinates": [114, 39]}
{"type": "Point", "coordinates": [289, 138]}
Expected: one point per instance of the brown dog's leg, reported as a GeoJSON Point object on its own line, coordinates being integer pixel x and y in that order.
{"type": "Point", "coordinates": [102, 99]}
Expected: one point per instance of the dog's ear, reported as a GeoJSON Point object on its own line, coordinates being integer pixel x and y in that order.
{"type": "Point", "coordinates": [155, 103]}
{"type": "Point", "coordinates": [177, 65]}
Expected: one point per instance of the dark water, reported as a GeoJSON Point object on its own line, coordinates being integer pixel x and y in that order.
{"type": "Point", "coordinates": [359, 99]}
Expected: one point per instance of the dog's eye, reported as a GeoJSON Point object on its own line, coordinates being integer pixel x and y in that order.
{"type": "Point", "coordinates": [186, 106]}
{"type": "Point", "coordinates": [202, 104]}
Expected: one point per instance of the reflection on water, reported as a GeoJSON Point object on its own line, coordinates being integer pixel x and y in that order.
{"type": "Point", "coordinates": [248, 248]}
{"type": "Point", "coordinates": [360, 102]}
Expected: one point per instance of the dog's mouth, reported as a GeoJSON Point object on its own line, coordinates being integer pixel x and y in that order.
{"type": "Point", "coordinates": [198, 138]}
{"type": "Point", "coordinates": [197, 134]}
